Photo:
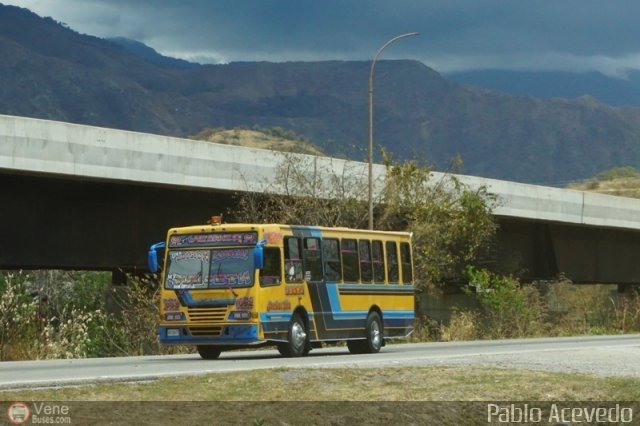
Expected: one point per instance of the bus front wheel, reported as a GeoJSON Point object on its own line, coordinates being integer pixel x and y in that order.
{"type": "Point", "coordinates": [297, 340]}
{"type": "Point", "coordinates": [208, 352]}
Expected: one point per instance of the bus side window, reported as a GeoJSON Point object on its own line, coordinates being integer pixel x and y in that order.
{"type": "Point", "coordinates": [378, 262]}
{"type": "Point", "coordinates": [293, 259]}
{"type": "Point", "coordinates": [405, 260]}
{"type": "Point", "coordinates": [392, 262]}
{"type": "Point", "coordinates": [271, 273]}
{"type": "Point", "coordinates": [365, 261]}
{"type": "Point", "coordinates": [312, 259]}
{"type": "Point", "coordinates": [331, 257]}
{"type": "Point", "coordinates": [350, 269]}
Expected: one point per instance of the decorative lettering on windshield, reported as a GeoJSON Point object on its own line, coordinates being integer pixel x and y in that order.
{"type": "Point", "coordinates": [217, 268]}
{"type": "Point", "coordinates": [230, 279]}
{"type": "Point", "coordinates": [188, 269]}
{"type": "Point", "coordinates": [224, 255]}
{"type": "Point", "coordinates": [230, 267]}
{"type": "Point", "coordinates": [198, 255]}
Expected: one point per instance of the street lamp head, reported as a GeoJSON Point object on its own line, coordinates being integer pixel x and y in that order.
{"type": "Point", "coordinates": [373, 64]}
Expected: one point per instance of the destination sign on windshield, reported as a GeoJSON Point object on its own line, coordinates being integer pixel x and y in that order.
{"type": "Point", "coordinates": [216, 240]}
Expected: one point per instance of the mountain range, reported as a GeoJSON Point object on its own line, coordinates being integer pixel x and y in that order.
{"type": "Point", "coordinates": [50, 71]}
{"type": "Point", "coordinates": [623, 90]}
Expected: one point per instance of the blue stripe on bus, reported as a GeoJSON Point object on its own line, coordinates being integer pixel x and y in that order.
{"type": "Point", "coordinates": [347, 315]}
{"type": "Point", "coordinates": [306, 231]}
{"type": "Point", "coordinates": [387, 314]}
{"type": "Point", "coordinates": [275, 325]}
{"type": "Point", "coordinates": [387, 288]}
{"type": "Point", "coordinates": [285, 317]}
{"type": "Point", "coordinates": [392, 313]}
{"type": "Point", "coordinates": [273, 316]}
{"type": "Point", "coordinates": [186, 300]}
{"type": "Point", "coordinates": [315, 232]}
{"type": "Point", "coordinates": [334, 297]}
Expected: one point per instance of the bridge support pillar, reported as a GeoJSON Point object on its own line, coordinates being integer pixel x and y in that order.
{"type": "Point", "coordinates": [118, 277]}
{"type": "Point", "coordinates": [628, 288]}
{"type": "Point", "coordinates": [116, 295]}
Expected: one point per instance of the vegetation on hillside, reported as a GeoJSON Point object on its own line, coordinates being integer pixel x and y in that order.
{"type": "Point", "coordinates": [275, 139]}
{"type": "Point", "coordinates": [620, 181]}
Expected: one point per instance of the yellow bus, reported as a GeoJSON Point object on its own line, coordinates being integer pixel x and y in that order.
{"type": "Point", "coordinates": [231, 286]}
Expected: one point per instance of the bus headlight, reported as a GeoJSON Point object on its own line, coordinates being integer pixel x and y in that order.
{"type": "Point", "coordinates": [240, 315]}
{"type": "Point", "coordinates": [174, 316]}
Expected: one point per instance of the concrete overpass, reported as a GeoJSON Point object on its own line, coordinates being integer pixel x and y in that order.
{"type": "Point", "coordinates": [82, 197]}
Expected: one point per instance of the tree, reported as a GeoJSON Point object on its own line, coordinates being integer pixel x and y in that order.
{"type": "Point", "coordinates": [451, 223]}
{"type": "Point", "coordinates": [306, 192]}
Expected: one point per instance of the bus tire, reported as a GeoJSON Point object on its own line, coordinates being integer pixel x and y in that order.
{"type": "Point", "coordinates": [373, 340]}
{"type": "Point", "coordinates": [356, 346]}
{"type": "Point", "coordinates": [374, 337]}
{"type": "Point", "coordinates": [209, 352]}
{"type": "Point", "coordinates": [297, 339]}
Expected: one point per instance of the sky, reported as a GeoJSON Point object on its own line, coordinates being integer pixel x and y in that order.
{"type": "Point", "coordinates": [454, 35]}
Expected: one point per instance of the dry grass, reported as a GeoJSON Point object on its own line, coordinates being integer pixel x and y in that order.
{"type": "Point", "coordinates": [552, 309]}
{"type": "Point", "coordinates": [356, 384]}
{"type": "Point", "coordinates": [286, 396]}
{"type": "Point", "coordinates": [257, 139]}
{"type": "Point", "coordinates": [622, 187]}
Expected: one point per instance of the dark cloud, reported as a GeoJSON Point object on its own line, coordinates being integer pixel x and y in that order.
{"type": "Point", "coordinates": [454, 34]}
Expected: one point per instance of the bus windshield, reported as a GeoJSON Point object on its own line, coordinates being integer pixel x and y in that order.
{"type": "Point", "coordinates": [217, 268]}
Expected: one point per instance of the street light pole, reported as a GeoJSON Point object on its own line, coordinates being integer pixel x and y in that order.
{"type": "Point", "coordinates": [373, 64]}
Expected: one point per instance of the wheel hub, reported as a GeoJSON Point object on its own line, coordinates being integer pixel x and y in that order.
{"type": "Point", "coordinates": [298, 336]}
{"type": "Point", "coordinates": [376, 338]}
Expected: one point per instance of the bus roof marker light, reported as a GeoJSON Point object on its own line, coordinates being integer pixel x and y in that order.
{"type": "Point", "coordinates": [216, 220]}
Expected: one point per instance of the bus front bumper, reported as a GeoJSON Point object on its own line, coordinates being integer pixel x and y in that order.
{"type": "Point", "coordinates": [237, 334]}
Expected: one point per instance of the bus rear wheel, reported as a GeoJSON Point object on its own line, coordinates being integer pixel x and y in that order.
{"type": "Point", "coordinates": [297, 340]}
{"type": "Point", "coordinates": [373, 340]}
{"type": "Point", "coordinates": [209, 352]}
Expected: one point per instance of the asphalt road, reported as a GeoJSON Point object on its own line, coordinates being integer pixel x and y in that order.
{"type": "Point", "coordinates": [601, 355]}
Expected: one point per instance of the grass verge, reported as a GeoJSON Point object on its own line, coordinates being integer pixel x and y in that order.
{"type": "Point", "coordinates": [356, 384]}
{"type": "Point", "coordinates": [329, 396]}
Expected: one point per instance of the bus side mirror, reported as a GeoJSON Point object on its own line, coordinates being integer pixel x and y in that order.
{"type": "Point", "coordinates": [258, 254]}
{"type": "Point", "coordinates": [152, 257]}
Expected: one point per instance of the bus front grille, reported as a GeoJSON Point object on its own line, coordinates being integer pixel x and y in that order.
{"type": "Point", "coordinates": [205, 330]}
{"type": "Point", "coordinates": [208, 315]}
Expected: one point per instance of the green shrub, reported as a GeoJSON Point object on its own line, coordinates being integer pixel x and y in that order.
{"type": "Point", "coordinates": [507, 308]}
{"type": "Point", "coordinates": [18, 316]}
